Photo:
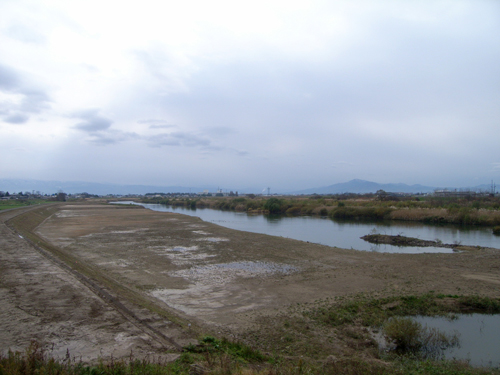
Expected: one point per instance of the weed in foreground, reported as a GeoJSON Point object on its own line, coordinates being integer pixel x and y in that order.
{"type": "Point", "coordinates": [217, 361]}
{"type": "Point", "coordinates": [237, 350]}
{"type": "Point", "coordinates": [410, 336]}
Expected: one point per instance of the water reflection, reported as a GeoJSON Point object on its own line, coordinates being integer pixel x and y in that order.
{"type": "Point", "coordinates": [479, 337]}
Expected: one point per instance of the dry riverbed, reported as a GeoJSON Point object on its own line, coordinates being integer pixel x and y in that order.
{"type": "Point", "coordinates": [150, 282]}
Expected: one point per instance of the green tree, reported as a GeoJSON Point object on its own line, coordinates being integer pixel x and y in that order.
{"type": "Point", "coordinates": [273, 205]}
{"type": "Point", "coordinates": [381, 195]}
{"type": "Point", "coordinates": [61, 197]}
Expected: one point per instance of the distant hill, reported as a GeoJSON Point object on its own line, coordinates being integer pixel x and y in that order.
{"type": "Point", "coordinates": [51, 187]}
{"type": "Point", "coordinates": [71, 187]}
{"type": "Point", "coordinates": [362, 187]}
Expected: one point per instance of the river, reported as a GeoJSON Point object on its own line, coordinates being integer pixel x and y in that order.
{"type": "Point", "coordinates": [343, 234]}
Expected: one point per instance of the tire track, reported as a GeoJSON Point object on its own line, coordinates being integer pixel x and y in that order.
{"type": "Point", "coordinates": [93, 286]}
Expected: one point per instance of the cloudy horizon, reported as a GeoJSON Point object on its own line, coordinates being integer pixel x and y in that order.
{"type": "Point", "coordinates": [290, 95]}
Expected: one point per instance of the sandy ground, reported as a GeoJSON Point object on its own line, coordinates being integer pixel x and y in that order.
{"type": "Point", "coordinates": [42, 302]}
{"type": "Point", "coordinates": [210, 276]}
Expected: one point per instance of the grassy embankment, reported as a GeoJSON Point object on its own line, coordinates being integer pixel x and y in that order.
{"type": "Point", "coordinates": [466, 211]}
{"type": "Point", "coordinates": [7, 204]}
{"type": "Point", "coordinates": [298, 342]}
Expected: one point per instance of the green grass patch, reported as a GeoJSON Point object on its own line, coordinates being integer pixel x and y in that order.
{"type": "Point", "coordinates": [343, 324]}
{"type": "Point", "coordinates": [374, 312]}
{"type": "Point", "coordinates": [8, 204]}
{"type": "Point", "coordinates": [237, 350]}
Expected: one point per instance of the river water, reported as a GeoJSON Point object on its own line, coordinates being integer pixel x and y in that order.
{"type": "Point", "coordinates": [343, 234]}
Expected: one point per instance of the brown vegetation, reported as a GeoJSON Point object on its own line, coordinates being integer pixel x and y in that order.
{"type": "Point", "coordinates": [467, 211]}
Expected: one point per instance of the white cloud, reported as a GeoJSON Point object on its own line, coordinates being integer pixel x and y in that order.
{"type": "Point", "coordinates": [92, 121]}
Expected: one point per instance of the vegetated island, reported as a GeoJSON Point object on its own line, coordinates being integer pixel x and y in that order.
{"type": "Point", "coordinates": [399, 240]}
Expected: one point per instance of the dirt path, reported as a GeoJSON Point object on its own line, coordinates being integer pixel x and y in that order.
{"type": "Point", "coordinates": [208, 275]}
{"type": "Point", "coordinates": [44, 302]}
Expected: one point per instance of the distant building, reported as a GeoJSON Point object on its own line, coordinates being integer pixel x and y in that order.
{"type": "Point", "coordinates": [456, 193]}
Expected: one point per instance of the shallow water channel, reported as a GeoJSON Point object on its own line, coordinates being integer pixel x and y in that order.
{"type": "Point", "coordinates": [343, 234]}
{"type": "Point", "coordinates": [478, 334]}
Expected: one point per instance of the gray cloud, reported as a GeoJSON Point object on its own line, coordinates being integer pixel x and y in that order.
{"type": "Point", "coordinates": [157, 124]}
{"type": "Point", "coordinates": [227, 149]}
{"type": "Point", "coordinates": [25, 34]}
{"type": "Point", "coordinates": [17, 118]}
{"type": "Point", "coordinates": [153, 122]}
{"type": "Point", "coordinates": [178, 139]}
{"type": "Point", "coordinates": [161, 126]}
{"type": "Point", "coordinates": [33, 99]}
{"type": "Point", "coordinates": [220, 130]}
{"type": "Point", "coordinates": [9, 78]}
{"type": "Point", "coordinates": [111, 137]}
{"type": "Point", "coordinates": [204, 141]}
{"type": "Point", "coordinates": [242, 152]}
{"type": "Point", "coordinates": [92, 121]}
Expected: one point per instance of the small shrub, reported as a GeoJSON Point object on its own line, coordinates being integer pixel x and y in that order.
{"type": "Point", "coordinates": [405, 332]}
{"type": "Point", "coordinates": [410, 336]}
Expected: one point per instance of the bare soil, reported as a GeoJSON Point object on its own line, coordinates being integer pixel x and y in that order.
{"type": "Point", "coordinates": [149, 282]}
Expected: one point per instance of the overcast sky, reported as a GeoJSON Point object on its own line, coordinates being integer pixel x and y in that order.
{"type": "Point", "coordinates": [286, 94]}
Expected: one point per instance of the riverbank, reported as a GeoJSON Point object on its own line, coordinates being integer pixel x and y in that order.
{"type": "Point", "coordinates": [181, 278]}
{"type": "Point", "coordinates": [484, 211]}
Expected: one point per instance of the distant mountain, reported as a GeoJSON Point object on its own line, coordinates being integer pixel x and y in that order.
{"type": "Point", "coordinates": [362, 187]}
{"type": "Point", "coordinates": [51, 187]}
{"type": "Point", "coordinates": [353, 186]}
